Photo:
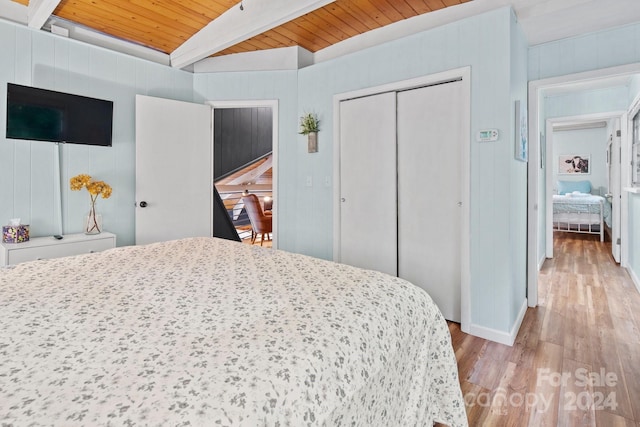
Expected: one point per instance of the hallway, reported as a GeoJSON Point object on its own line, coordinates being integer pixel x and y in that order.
{"type": "Point", "coordinates": [576, 359]}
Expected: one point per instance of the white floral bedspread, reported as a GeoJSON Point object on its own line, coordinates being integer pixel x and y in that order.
{"type": "Point", "coordinates": [209, 332]}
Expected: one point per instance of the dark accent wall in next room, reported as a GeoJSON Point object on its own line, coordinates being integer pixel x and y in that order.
{"type": "Point", "coordinates": [241, 135]}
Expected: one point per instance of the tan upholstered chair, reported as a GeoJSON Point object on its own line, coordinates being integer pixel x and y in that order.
{"type": "Point", "coordinates": [260, 222]}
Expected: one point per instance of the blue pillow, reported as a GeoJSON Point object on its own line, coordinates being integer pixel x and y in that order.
{"type": "Point", "coordinates": [565, 187]}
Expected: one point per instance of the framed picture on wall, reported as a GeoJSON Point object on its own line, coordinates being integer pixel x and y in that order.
{"type": "Point", "coordinates": [574, 164]}
{"type": "Point", "coordinates": [521, 143]}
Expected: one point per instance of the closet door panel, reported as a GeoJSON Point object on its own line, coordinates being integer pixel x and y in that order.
{"type": "Point", "coordinates": [430, 192]}
{"type": "Point", "coordinates": [368, 218]}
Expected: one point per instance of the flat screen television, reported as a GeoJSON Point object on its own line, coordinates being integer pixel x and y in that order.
{"type": "Point", "coordinates": [46, 115]}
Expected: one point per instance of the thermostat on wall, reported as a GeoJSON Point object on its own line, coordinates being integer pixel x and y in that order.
{"type": "Point", "coordinates": [488, 135]}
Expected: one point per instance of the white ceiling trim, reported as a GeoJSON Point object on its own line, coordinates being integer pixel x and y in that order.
{"type": "Point", "coordinates": [13, 11]}
{"type": "Point", "coordinates": [237, 25]}
{"type": "Point", "coordinates": [283, 58]}
{"type": "Point", "coordinates": [40, 11]}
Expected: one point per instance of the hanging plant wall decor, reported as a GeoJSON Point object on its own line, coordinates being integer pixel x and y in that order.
{"type": "Point", "coordinates": [309, 125]}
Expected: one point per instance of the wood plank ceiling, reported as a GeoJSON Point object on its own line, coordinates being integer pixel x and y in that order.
{"type": "Point", "coordinates": [164, 25]}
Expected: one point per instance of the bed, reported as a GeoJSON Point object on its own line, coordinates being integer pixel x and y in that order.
{"type": "Point", "coordinates": [581, 213]}
{"type": "Point", "coordinates": [204, 331]}
{"type": "Point", "coordinates": [576, 210]}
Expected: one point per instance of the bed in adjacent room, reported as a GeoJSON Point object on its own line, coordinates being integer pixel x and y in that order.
{"type": "Point", "coordinates": [576, 210]}
{"type": "Point", "coordinates": [205, 331]}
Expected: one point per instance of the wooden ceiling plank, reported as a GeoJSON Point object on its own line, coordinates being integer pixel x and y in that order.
{"type": "Point", "coordinates": [123, 31]}
{"type": "Point", "coordinates": [172, 11]}
{"type": "Point", "coordinates": [347, 21]}
{"type": "Point", "coordinates": [278, 40]}
{"type": "Point", "coordinates": [419, 6]}
{"type": "Point", "coordinates": [210, 11]}
{"type": "Point", "coordinates": [217, 7]}
{"type": "Point", "coordinates": [357, 14]}
{"type": "Point", "coordinates": [264, 40]}
{"type": "Point", "coordinates": [300, 36]}
{"type": "Point", "coordinates": [403, 8]}
{"type": "Point", "coordinates": [435, 4]}
{"type": "Point", "coordinates": [257, 43]}
{"type": "Point", "coordinates": [140, 15]}
{"type": "Point", "coordinates": [325, 20]}
{"type": "Point", "coordinates": [372, 12]}
{"type": "Point", "coordinates": [39, 12]}
{"type": "Point", "coordinates": [388, 10]}
{"type": "Point", "coordinates": [144, 30]}
{"type": "Point", "coordinates": [451, 2]}
{"type": "Point", "coordinates": [236, 25]}
{"type": "Point", "coordinates": [324, 32]}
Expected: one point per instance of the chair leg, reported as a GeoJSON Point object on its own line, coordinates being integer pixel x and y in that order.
{"type": "Point", "coordinates": [253, 236]}
{"type": "Point", "coordinates": [261, 239]}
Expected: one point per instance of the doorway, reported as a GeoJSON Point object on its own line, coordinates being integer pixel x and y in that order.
{"type": "Point", "coordinates": [539, 156]}
{"type": "Point", "coordinates": [245, 137]}
{"type": "Point", "coordinates": [597, 139]}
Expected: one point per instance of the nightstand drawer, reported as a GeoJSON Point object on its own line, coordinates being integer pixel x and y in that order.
{"type": "Point", "coordinates": [47, 247]}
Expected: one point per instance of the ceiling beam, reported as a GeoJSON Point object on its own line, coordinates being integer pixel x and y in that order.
{"type": "Point", "coordinates": [236, 25]}
{"type": "Point", "coordinates": [40, 11]}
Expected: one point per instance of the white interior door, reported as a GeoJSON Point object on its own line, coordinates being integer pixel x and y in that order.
{"type": "Point", "coordinates": [430, 138]}
{"type": "Point", "coordinates": [174, 170]}
{"type": "Point", "coordinates": [616, 190]}
{"type": "Point", "coordinates": [368, 217]}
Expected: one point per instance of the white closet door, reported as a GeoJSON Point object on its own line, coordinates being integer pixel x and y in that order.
{"type": "Point", "coordinates": [368, 233]}
{"type": "Point", "coordinates": [430, 137]}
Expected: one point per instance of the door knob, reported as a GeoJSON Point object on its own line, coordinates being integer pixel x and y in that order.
{"type": "Point", "coordinates": [143, 204]}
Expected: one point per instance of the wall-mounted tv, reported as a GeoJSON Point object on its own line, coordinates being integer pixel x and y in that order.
{"type": "Point", "coordinates": [46, 115]}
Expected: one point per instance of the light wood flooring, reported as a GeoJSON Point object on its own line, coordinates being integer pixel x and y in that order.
{"type": "Point", "coordinates": [576, 359]}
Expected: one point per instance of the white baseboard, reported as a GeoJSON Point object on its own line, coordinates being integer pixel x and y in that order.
{"type": "Point", "coordinates": [507, 338]}
{"type": "Point", "coordinates": [541, 262]}
{"type": "Point", "coordinates": [634, 277]}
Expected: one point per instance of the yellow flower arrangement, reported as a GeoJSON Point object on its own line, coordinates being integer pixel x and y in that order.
{"type": "Point", "coordinates": [95, 189]}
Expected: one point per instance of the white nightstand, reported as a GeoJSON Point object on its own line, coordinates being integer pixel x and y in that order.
{"type": "Point", "coordinates": [48, 247]}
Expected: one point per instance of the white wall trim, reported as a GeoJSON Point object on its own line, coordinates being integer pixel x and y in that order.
{"type": "Point", "coordinates": [506, 338]}
{"type": "Point", "coordinates": [273, 103]}
{"type": "Point", "coordinates": [535, 88]}
{"type": "Point", "coordinates": [540, 264]}
{"type": "Point", "coordinates": [634, 278]}
{"type": "Point", "coordinates": [465, 74]}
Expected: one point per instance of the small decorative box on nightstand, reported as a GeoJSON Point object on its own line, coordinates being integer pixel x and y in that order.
{"type": "Point", "coordinates": [15, 233]}
{"type": "Point", "coordinates": [48, 247]}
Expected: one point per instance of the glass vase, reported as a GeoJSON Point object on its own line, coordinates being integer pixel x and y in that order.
{"type": "Point", "coordinates": [93, 221]}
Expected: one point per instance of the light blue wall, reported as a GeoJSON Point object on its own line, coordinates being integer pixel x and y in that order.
{"type": "Point", "coordinates": [491, 43]}
{"type": "Point", "coordinates": [589, 52]}
{"type": "Point", "coordinates": [610, 48]}
{"type": "Point", "coordinates": [27, 175]}
{"type": "Point", "coordinates": [592, 142]}
{"type": "Point", "coordinates": [498, 181]}
{"type": "Point", "coordinates": [518, 204]}
{"type": "Point", "coordinates": [634, 88]}
{"type": "Point", "coordinates": [586, 102]}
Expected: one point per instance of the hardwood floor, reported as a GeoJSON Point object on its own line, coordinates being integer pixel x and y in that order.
{"type": "Point", "coordinates": [576, 359]}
